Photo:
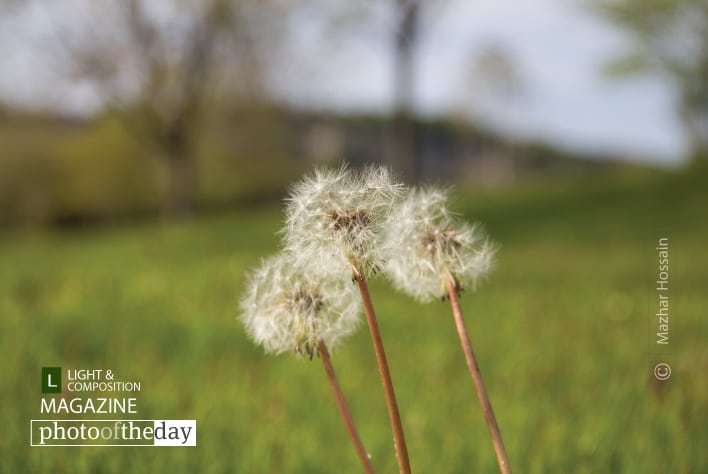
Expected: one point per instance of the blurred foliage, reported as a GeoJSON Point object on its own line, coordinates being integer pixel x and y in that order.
{"type": "Point", "coordinates": [61, 171]}
{"type": "Point", "coordinates": [560, 331]}
{"type": "Point", "coordinates": [669, 37]}
{"type": "Point", "coordinates": [55, 171]}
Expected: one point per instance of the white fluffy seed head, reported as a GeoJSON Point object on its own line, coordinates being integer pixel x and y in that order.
{"type": "Point", "coordinates": [286, 310]}
{"type": "Point", "coordinates": [335, 219]}
{"type": "Point", "coordinates": [425, 245]}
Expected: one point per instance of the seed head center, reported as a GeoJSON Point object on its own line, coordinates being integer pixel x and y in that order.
{"type": "Point", "coordinates": [436, 240]}
{"type": "Point", "coordinates": [305, 302]}
{"type": "Point", "coordinates": [348, 222]}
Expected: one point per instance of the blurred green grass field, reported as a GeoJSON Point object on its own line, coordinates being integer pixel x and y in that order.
{"type": "Point", "coordinates": [560, 330]}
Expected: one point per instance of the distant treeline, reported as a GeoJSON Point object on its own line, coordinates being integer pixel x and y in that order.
{"type": "Point", "coordinates": [56, 171]}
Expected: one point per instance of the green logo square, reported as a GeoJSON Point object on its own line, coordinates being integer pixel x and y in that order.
{"type": "Point", "coordinates": [51, 379]}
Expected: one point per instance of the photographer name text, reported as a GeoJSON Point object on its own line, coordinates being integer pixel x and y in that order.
{"type": "Point", "coordinates": [662, 290]}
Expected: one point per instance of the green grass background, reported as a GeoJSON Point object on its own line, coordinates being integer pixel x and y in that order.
{"type": "Point", "coordinates": [560, 330]}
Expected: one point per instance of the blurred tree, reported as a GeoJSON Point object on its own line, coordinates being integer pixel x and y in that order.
{"type": "Point", "coordinates": [495, 70]}
{"type": "Point", "coordinates": [671, 37]}
{"type": "Point", "coordinates": [495, 86]}
{"type": "Point", "coordinates": [161, 67]}
{"type": "Point", "coordinates": [400, 25]}
{"type": "Point", "coordinates": [413, 19]}
{"type": "Point", "coordinates": [402, 154]}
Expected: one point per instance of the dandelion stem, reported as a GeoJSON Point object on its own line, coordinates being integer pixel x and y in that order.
{"type": "Point", "coordinates": [342, 404]}
{"type": "Point", "coordinates": [502, 458]}
{"type": "Point", "coordinates": [396, 425]}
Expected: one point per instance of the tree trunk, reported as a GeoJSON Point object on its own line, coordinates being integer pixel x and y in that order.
{"type": "Point", "coordinates": [182, 187]}
{"type": "Point", "coordinates": [182, 175]}
{"type": "Point", "coordinates": [402, 153]}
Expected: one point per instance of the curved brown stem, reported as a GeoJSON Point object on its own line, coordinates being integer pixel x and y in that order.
{"type": "Point", "coordinates": [342, 404]}
{"type": "Point", "coordinates": [396, 425]}
{"type": "Point", "coordinates": [502, 458]}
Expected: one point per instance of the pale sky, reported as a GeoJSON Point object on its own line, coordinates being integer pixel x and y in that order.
{"type": "Point", "coordinates": [556, 46]}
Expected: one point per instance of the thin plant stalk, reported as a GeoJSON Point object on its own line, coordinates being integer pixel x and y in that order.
{"type": "Point", "coordinates": [396, 425]}
{"type": "Point", "coordinates": [502, 458]}
{"type": "Point", "coordinates": [342, 404]}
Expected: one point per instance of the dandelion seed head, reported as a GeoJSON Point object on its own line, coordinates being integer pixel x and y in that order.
{"type": "Point", "coordinates": [335, 219]}
{"type": "Point", "coordinates": [425, 243]}
{"type": "Point", "coordinates": [286, 310]}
